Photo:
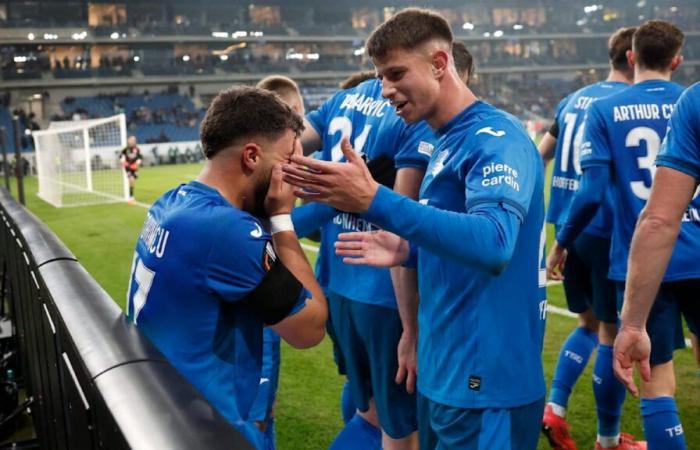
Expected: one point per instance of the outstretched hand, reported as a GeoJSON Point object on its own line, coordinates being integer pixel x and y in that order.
{"type": "Point", "coordinates": [372, 248]}
{"type": "Point", "coordinates": [345, 186]}
{"type": "Point", "coordinates": [632, 345]}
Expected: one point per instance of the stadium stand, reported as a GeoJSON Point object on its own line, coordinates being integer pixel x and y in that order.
{"type": "Point", "coordinates": [151, 118]}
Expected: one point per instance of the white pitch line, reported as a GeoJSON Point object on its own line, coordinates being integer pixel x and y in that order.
{"type": "Point", "coordinates": [311, 248]}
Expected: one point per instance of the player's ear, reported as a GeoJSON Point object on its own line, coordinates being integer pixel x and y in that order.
{"type": "Point", "coordinates": [631, 58]}
{"type": "Point", "coordinates": [251, 156]}
{"type": "Point", "coordinates": [676, 61]}
{"type": "Point", "coordinates": [440, 62]}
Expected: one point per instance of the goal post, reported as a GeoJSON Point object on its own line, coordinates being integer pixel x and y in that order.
{"type": "Point", "coordinates": [78, 162]}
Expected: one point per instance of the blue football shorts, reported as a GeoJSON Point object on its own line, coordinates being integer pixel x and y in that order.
{"type": "Point", "coordinates": [586, 282]}
{"type": "Point", "coordinates": [368, 336]}
{"type": "Point", "coordinates": [443, 427]}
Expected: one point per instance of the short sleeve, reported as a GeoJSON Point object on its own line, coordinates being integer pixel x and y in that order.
{"type": "Point", "coordinates": [502, 168]}
{"type": "Point", "coordinates": [239, 258]}
{"type": "Point", "coordinates": [681, 147]}
{"type": "Point", "coordinates": [595, 147]}
{"type": "Point", "coordinates": [416, 146]}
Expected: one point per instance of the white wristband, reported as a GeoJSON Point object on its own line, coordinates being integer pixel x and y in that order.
{"type": "Point", "coordinates": [281, 222]}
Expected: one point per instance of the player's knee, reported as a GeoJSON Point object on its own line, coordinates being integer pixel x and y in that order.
{"type": "Point", "coordinates": [662, 383]}
{"type": "Point", "coordinates": [588, 321]}
{"type": "Point", "coordinates": [607, 333]}
{"type": "Point", "coordinates": [409, 442]}
{"type": "Point", "coordinates": [371, 414]}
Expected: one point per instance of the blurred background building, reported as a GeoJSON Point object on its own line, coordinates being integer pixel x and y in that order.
{"type": "Point", "coordinates": [161, 62]}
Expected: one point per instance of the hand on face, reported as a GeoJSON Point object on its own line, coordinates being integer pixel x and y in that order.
{"type": "Point", "coordinates": [346, 186]}
{"type": "Point", "coordinates": [280, 195]}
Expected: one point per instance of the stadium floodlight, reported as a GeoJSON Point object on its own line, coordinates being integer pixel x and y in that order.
{"type": "Point", "coordinates": [78, 163]}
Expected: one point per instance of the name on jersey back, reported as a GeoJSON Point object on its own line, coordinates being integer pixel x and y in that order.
{"type": "Point", "coordinates": [369, 106]}
{"type": "Point", "coordinates": [154, 237]}
{"type": "Point", "coordinates": [643, 111]}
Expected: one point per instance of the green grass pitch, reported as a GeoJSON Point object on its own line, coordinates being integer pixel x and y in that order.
{"type": "Point", "coordinates": [308, 413]}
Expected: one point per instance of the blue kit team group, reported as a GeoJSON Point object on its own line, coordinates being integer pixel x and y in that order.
{"type": "Point", "coordinates": [432, 268]}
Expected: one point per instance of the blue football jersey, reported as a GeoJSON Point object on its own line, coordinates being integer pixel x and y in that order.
{"type": "Point", "coordinates": [197, 256]}
{"type": "Point", "coordinates": [566, 170]}
{"type": "Point", "coordinates": [681, 148]}
{"type": "Point", "coordinates": [480, 339]}
{"type": "Point", "coordinates": [624, 131]}
{"type": "Point", "coordinates": [374, 129]}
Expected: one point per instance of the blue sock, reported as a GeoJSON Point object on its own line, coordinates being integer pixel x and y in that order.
{"type": "Point", "coordinates": [662, 426]}
{"type": "Point", "coordinates": [609, 393]}
{"type": "Point", "coordinates": [347, 406]}
{"type": "Point", "coordinates": [573, 358]}
{"type": "Point", "coordinates": [358, 433]}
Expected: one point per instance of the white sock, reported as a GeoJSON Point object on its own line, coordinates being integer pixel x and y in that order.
{"type": "Point", "coordinates": [558, 409]}
{"type": "Point", "coordinates": [609, 441]}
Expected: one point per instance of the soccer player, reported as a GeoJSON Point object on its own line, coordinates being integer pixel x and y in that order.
{"type": "Point", "coordinates": [207, 277]}
{"type": "Point", "coordinates": [623, 133]}
{"type": "Point", "coordinates": [589, 292]}
{"type": "Point", "coordinates": [666, 242]}
{"type": "Point", "coordinates": [131, 161]}
{"type": "Point", "coordinates": [373, 326]}
{"type": "Point", "coordinates": [477, 232]}
{"type": "Point", "coordinates": [262, 412]}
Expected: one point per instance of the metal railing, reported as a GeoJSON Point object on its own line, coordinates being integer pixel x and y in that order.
{"type": "Point", "coordinates": [95, 380]}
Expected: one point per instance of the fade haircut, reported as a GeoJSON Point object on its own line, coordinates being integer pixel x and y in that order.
{"type": "Point", "coordinates": [618, 44]}
{"type": "Point", "coordinates": [656, 43]}
{"type": "Point", "coordinates": [357, 78]}
{"type": "Point", "coordinates": [283, 86]}
{"type": "Point", "coordinates": [463, 59]}
{"type": "Point", "coordinates": [406, 30]}
{"type": "Point", "coordinates": [244, 112]}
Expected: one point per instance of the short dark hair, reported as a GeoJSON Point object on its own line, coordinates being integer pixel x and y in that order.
{"type": "Point", "coordinates": [245, 112]}
{"type": "Point", "coordinates": [464, 62]}
{"type": "Point", "coordinates": [279, 84]}
{"type": "Point", "coordinates": [656, 43]}
{"type": "Point", "coordinates": [357, 78]}
{"type": "Point", "coordinates": [406, 30]}
{"type": "Point", "coordinates": [618, 44]}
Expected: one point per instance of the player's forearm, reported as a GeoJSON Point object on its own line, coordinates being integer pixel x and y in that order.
{"type": "Point", "coordinates": [309, 217]}
{"type": "Point", "coordinates": [405, 283]}
{"type": "Point", "coordinates": [653, 242]}
{"type": "Point", "coordinates": [483, 239]}
{"type": "Point", "coordinates": [405, 280]}
{"type": "Point", "coordinates": [290, 253]}
{"type": "Point", "coordinates": [651, 250]}
{"type": "Point", "coordinates": [585, 204]}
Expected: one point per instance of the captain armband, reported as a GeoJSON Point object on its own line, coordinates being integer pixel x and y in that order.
{"type": "Point", "coordinates": [276, 295]}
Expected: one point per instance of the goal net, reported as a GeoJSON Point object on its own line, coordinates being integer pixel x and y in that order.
{"type": "Point", "coordinates": [78, 163]}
